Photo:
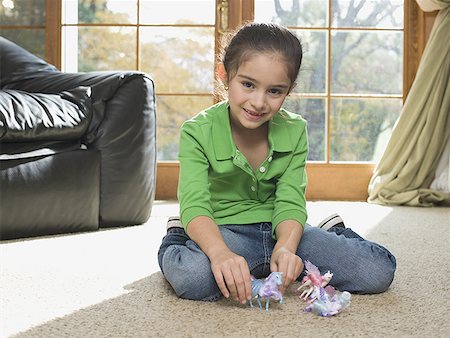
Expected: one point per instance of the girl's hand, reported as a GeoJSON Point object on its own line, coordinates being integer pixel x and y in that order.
{"type": "Point", "coordinates": [288, 263]}
{"type": "Point", "coordinates": [232, 275]}
{"type": "Point", "coordinates": [230, 271]}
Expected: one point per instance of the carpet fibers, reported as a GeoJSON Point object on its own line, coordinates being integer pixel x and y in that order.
{"type": "Point", "coordinates": [107, 284]}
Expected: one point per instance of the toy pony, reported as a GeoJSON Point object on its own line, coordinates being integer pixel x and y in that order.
{"type": "Point", "coordinates": [328, 302]}
{"type": "Point", "coordinates": [312, 280]}
{"type": "Point", "coordinates": [323, 300]}
{"type": "Point", "coordinates": [267, 288]}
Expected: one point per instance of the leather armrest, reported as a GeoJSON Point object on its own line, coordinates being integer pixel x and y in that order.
{"type": "Point", "coordinates": [34, 117]}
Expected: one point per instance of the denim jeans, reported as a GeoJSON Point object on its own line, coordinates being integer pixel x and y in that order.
{"type": "Point", "coordinates": [358, 265]}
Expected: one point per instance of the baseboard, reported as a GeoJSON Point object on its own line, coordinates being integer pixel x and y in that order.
{"type": "Point", "coordinates": [331, 182]}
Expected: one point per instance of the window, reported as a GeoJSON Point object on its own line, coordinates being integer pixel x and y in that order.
{"type": "Point", "coordinates": [360, 59]}
{"type": "Point", "coordinates": [23, 21]}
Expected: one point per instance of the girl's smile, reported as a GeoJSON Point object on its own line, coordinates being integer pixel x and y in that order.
{"type": "Point", "coordinates": [253, 115]}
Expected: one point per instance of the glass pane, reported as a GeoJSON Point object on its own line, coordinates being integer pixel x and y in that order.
{"type": "Point", "coordinates": [22, 12]}
{"type": "Point", "coordinates": [33, 40]}
{"type": "Point", "coordinates": [367, 62]}
{"type": "Point", "coordinates": [360, 128]}
{"type": "Point", "coordinates": [313, 111]}
{"type": "Point", "coordinates": [312, 76]}
{"type": "Point", "coordinates": [179, 59]}
{"type": "Point", "coordinates": [99, 11]}
{"type": "Point", "coordinates": [177, 12]}
{"type": "Point", "coordinates": [307, 13]}
{"type": "Point", "coordinates": [371, 13]}
{"type": "Point", "coordinates": [99, 48]}
{"type": "Point", "coordinates": [172, 112]}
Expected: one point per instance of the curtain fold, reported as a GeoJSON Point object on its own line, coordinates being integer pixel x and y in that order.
{"type": "Point", "coordinates": [407, 167]}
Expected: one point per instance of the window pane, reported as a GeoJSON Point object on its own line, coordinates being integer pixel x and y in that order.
{"type": "Point", "coordinates": [371, 13]}
{"type": "Point", "coordinates": [360, 128]}
{"type": "Point", "coordinates": [99, 48]}
{"type": "Point", "coordinates": [312, 76]}
{"type": "Point", "coordinates": [179, 59]}
{"type": "Point", "coordinates": [307, 13]}
{"type": "Point", "coordinates": [177, 12]}
{"type": "Point", "coordinates": [22, 12]}
{"type": "Point", "coordinates": [33, 40]}
{"type": "Point", "coordinates": [313, 111]}
{"type": "Point", "coordinates": [172, 112]}
{"type": "Point", "coordinates": [367, 62]}
{"type": "Point", "coordinates": [99, 11]}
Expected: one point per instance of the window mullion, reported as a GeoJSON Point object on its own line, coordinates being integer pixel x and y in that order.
{"type": "Point", "coordinates": [53, 20]}
{"type": "Point", "coordinates": [138, 29]}
{"type": "Point", "coordinates": [328, 86]}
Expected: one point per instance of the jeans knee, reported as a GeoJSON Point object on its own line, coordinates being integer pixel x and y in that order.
{"type": "Point", "coordinates": [385, 275]}
{"type": "Point", "coordinates": [194, 291]}
{"type": "Point", "coordinates": [190, 279]}
{"type": "Point", "coordinates": [379, 278]}
{"type": "Point", "coordinates": [194, 286]}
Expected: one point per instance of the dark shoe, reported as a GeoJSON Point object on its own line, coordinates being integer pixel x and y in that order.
{"type": "Point", "coordinates": [332, 221]}
{"type": "Point", "coordinates": [174, 222]}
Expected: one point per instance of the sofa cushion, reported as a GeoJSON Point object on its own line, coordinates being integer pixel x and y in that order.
{"type": "Point", "coordinates": [50, 194]}
{"type": "Point", "coordinates": [34, 117]}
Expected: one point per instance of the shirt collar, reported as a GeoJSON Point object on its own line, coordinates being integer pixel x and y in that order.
{"type": "Point", "coordinates": [224, 147]}
{"type": "Point", "coordinates": [221, 132]}
{"type": "Point", "coordinates": [279, 133]}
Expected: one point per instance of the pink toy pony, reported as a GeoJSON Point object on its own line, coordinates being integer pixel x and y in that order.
{"type": "Point", "coordinates": [266, 289]}
{"type": "Point", "coordinates": [312, 280]}
{"type": "Point", "coordinates": [323, 301]}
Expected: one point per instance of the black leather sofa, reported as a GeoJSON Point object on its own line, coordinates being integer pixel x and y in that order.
{"type": "Point", "coordinates": [77, 150]}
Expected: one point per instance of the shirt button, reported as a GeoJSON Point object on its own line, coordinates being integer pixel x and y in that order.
{"type": "Point", "coordinates": [270, 159]}
{"type": "Point", "coordinates": [253, 188]}
{"type": "Point", "coordinates": [262, 169]}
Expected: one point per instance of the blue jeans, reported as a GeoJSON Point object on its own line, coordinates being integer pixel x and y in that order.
{"type": "Point", "coordinates": [358, 265]}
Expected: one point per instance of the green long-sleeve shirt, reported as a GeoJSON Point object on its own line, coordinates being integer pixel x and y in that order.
{"type": "Point", "coordinates": [217, 181]}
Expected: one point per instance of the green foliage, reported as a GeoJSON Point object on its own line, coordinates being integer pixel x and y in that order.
{"type": "Point", "coordinates": [356, 125]}
{"type": "Point", "coordinates": [85, 14]}
{"type": "Point", "coordinates": [22, 13]}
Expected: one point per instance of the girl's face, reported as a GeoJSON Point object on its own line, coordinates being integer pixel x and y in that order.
{"type": "Point", "coordinates": [257, 90]}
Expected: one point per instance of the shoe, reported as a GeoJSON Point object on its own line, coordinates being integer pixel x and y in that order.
{"type": "Point", "coordinates": [332, 221]}
{"type": "Point", "coordinates": [174, 222]}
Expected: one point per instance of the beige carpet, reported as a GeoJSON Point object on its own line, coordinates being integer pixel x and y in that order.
{"type": "Point", "coordinates": [107, 284]}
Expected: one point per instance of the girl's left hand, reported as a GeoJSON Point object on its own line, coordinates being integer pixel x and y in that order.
{"type": "Point", "coordinates": [288, 263]}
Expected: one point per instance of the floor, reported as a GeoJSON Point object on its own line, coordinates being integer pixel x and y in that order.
{"type": "Point", "coordinates": [102, 263]}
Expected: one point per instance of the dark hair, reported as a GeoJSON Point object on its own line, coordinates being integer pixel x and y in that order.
{"type": "Point", "coordinates": [262, 38]}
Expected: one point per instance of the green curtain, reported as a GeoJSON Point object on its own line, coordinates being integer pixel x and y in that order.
{"type": "Point", "coordinates": [407, 167]}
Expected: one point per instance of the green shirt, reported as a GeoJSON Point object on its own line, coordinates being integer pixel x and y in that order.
{"type": "Point", "coordinates": [217, 181]}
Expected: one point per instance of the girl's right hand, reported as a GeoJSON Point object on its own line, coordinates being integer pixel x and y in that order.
{"type": "Point", "coordinates": [230, 271]}
{"type": "Point", "coordinates": [232, 275]}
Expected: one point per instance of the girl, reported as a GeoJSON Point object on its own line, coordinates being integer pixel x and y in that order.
{"type": "Point", "coordinates": [242, 186]}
